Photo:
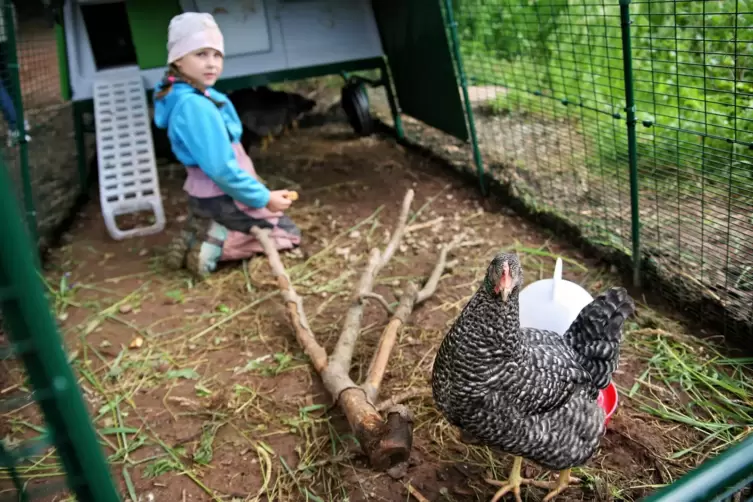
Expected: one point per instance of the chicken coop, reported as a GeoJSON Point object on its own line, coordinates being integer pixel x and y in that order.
{"type": "Point", "coordinates": [267, 41]}
{"type": "Point", "coordinates": [621, 127]}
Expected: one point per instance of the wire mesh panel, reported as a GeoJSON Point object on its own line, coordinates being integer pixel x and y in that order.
{"type": "Point", "coordinates": [546, 82]}
{"type": "Point", "coordinates": [692, 67]}
{"type": "Point", "coordinates": [45, 151]}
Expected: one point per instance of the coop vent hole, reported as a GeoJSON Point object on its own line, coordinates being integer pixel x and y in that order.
{"type": "Point", "coordinates": [111, 42]}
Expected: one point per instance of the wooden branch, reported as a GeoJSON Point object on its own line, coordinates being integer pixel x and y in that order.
{"type": "Point", "coordinates": [381, 300]}
{"type": "Point", "coordinates": [342, 356]}
{"type": "Point", "coordinates": [387, 342]}
{"type": "Point", "coordinates": [387, 442]}
{"type": "Point", "coordinates": [410, 298]}
{"type": "Point", "coordinates": [294, 303]}
{"type": "Point", "coordinates": [399, 231]}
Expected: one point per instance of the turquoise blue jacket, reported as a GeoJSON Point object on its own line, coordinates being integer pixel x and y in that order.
{"type": "Point", "coordinates": [201, 135]}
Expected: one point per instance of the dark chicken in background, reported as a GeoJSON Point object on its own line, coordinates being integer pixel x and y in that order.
{"type": "Point", "coordinates": [265, 113]}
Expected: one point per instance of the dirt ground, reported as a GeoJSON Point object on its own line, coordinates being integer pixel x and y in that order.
{"type": "Point", "coordinates": [200, 391]}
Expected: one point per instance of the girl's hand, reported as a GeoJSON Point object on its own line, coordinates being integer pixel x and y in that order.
{"type": "Point", "coordinates": [278, 201]}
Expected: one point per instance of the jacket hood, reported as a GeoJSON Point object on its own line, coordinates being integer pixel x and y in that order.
{"type": "Point", "coordinates": [164, 107]}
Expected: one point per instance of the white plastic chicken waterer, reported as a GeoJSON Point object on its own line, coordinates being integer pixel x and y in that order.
{"type": "Point", "coordinates": [553, 304]}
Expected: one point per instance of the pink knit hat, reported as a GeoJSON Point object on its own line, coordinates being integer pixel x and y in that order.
{"type": "Point", "coordinates": [191, 31]}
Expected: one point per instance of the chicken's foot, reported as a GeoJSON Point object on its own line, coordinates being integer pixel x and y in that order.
{"type": "Point", "coordinates": [564, 480]}
{"type": "Point", "coordinates": [515, 480]}
{"type": "Point", "coordinates": [266, 141]}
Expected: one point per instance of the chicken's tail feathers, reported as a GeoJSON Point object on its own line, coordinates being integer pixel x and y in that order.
{"type": "Point", "coordinates": [596, 334]}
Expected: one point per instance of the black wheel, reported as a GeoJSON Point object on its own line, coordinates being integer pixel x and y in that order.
{"type": "Point", "coordinates": [355, 103]}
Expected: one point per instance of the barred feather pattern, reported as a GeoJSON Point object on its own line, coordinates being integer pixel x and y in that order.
{"type": "Point", "coordinates": [526, 392]}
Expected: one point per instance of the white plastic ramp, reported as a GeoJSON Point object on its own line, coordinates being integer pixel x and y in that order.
{"type": "Point", "coordinates": [128, 181]}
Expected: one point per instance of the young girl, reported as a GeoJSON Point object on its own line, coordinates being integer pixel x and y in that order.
{"type": "Point", "coordinates": [226, 198]}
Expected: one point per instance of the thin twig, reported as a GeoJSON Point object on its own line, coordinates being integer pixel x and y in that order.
{"type": "Point", "coordinates": [403, 397]}
{"type": "Point", "coordinates": [426, 224]}
{"type": "Point", "coordinates": [381, 300]}
{"type": "Point", "coordinates": [416, 494]}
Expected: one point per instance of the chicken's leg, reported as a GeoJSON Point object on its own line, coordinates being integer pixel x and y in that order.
{"type": "Point", "coordinates": [515, 480]}
{"type": "Point", "coordinates": [563, 481]}
{"type": "Point", "coordinates": [266, 141]}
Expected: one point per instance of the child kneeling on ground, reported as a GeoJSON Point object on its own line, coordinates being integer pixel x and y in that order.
{"type": "Point", "coordinates": [225, 197]}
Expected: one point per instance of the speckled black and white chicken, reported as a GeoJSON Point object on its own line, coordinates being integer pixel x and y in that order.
{"type": "Point", "coordinates": [527, 392]}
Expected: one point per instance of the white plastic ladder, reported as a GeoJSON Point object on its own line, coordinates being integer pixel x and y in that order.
{"type": "Point", "coordinates": [128, 180]}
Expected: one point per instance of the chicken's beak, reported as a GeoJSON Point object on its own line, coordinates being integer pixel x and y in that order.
{"type": "Point", "coordinates": [505, 282]}
{"type": "Point", "coordinates": [505, 294]}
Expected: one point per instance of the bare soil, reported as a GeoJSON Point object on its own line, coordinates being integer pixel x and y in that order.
{"type": "Point", "coordinates": [225, 405]}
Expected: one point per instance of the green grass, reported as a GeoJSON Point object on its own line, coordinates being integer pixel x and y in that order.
{"type": "Point", "coordinates": [564, 58]}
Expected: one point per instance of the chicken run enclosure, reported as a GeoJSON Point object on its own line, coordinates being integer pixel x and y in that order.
{"type": "Point", "coordinates": [616, 134]}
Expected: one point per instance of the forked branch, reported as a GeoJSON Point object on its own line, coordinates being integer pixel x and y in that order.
{"type": "Point", "coordinates": [387, 441]}
{"type": "Point", "coordinates": [408, 301]}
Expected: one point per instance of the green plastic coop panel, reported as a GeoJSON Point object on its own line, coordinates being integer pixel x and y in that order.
{"type": "Point", "coordinates": [149, 20]}
{"type": "Point", "coordinates": [415, 41]}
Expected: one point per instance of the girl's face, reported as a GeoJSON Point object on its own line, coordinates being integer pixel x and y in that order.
{"type": "Point", "coordinates": [203, 65]}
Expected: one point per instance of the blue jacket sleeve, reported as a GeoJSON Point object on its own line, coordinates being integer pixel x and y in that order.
{"type": "Point", "coordinates": [199, 125]}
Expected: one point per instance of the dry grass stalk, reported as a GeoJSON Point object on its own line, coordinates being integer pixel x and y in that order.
{"type": "Point", "coordinates": [386, 441]}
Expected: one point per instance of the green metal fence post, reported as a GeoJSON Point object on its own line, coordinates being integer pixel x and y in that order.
{"type": "Point", "coordinates": [631, 120]}
{"type": "Point", "coordinates": [453, 25]}
{"type": "Point", "coordinates": [392, 99]}
{"type": "Point", "coordinates": [33, 333]}
{"type": "Point", "coordinates": [78, 127]}
{"type": "Point", "coordinates": [10, 32]}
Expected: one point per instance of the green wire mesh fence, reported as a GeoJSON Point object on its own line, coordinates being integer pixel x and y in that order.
{"type": "Point", "coordinates": [631, 121]}
{"type": "Point", "coordinates": [669, 177]}
{"type": "Point", "coordinates": [60, 439]}
{"type": "Point", "coordinates": [48, 445]}
{"type": "Point", "coordinates": [38, 134]}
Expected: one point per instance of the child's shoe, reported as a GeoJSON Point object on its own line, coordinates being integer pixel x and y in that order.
{"type": "Point", "coordinates": [204, 253]}
{"type": "Point", "coordinates": [175, 259]}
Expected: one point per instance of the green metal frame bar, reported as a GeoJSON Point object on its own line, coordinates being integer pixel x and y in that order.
{"type": "Point", "coordinates": [62, 48]}
{"type": "Point", "coordinates": [235, 83]}
{"type": "Point", "coordinates": [34, 334]}
{"type": "Point", "coordinates": [715, 479]}
{"type": "Point", "coordinates": [79, 108]}
{"type": "Point", "coordinates": [30, 209]}
{"type": "Point", "coordinates": [631, 121]}
{"type": "Point", "coordinates": [453, 25]}
{"type": "Point", "coordinates": [392, 99]}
